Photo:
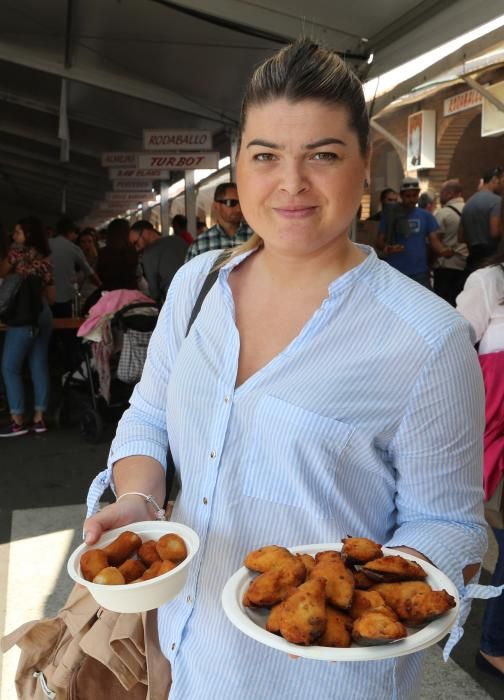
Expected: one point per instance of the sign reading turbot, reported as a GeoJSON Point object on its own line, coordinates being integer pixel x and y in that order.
{"type": "Point", "coordinates": [179, 161]}
{"type": "Point", "coordinates": [177, 140]}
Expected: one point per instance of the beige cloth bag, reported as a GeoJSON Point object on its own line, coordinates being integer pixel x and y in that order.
{"type": "Point", "coordinates": [88, 652]}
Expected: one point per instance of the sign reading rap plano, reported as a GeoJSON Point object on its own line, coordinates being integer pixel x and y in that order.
{"type": "Point", "coordinates": [130, 185]}
{"type": "Point", "coordinates": [128, 196]}
{"type": "Point", "coordinates": [176, 140]}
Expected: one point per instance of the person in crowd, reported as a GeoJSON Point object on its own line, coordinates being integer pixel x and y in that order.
{"type": "Point", "coordinates": [201, 227]}
{"type": "Point", "coordinates": [161, 257]}
{"type": "Point", "coordinates": [387, 196]}
{"type": "Point", "coordinates": [68, 260]}
{"type": "Point", "coordinates": [179, 225]}
{"type": "Point", "coordinates": [406, 231]}
{"type": "Point", "coordinates": [313, 396]}
{"type": "Point", "coordinates": [449, 275]}
{"type": "Point", "coordinates": [230, 230]}
{"type": "Point", "coordinates": [427, 201]}
{"type": "Point", "coordinates": [29, 257]}
{"type": "Point", "coordinates": [480, 224]}
{"type": "Point", "coordinates": [482, 304]}
{"type": "Point", "coordinates": [87, 243]}
{"type": "Point", "coordinates": [117, 264]}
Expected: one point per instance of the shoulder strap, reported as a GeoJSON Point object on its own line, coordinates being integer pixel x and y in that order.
{"type": "Point", "coordinates": [449, 206]}
{"type": "Point", "coordinates": [209, 282]}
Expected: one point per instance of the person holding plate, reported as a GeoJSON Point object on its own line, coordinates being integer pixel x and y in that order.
{"type": "Point", "coordinates": [319, 393]}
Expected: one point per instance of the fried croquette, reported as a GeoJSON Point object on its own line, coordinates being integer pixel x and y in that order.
{"type": "Point", "coordinates": [148, 553]}
{"type": "Point", "coordinates": [110, 576]}
{"type": "Point", "coordinates": [171, 547]}
{"type": "Point", "coordinates": [131, 569]}
{"type": "Point", "coordinates": [122, 548]}
{"type": "Point", "coordinates": [92, 562]}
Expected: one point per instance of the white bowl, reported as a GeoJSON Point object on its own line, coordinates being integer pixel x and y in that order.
{"type": "Point", "coordinates": [145, 595]}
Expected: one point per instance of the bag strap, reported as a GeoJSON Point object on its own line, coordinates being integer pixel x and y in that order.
{"type": "Point", "coordinates": [207, 285]}
{"type": "Point", "coordinates": [449, 206]}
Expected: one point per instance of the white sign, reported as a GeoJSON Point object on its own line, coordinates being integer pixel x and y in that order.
{"type": "Point", "coordinates": [492, 119]}
{"type": "Point", "coordinates": [462, 101]}
{"type": "Point", "coordinates": [138, 174]}
{"type": "Point", "coordinates": [118, 158]}
{"type": "Point", "coordinates": [179, 161]}
{"type": "Point", "coordinates": [421, 152]}
{"type": "Point", "coordinates": [114, 208]}
{"type": "Point", "coordinates": [176, 140]}
{"type": "Point", "coordinates": [129, 196]}
{"type": "Point", "coordinates": [129, 185]}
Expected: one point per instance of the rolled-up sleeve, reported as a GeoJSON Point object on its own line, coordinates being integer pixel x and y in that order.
{"type": "Point", "coordinates": [437, 453]}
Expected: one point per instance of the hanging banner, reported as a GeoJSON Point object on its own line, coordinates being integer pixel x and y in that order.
{"type": "Point", "coordinates": [138, 174]}
{"type": "Point", "coordinates": [113, 159]}
{"type": "Point", "coordinates": [176, 140]}
{"type": "Point", "coordinates": [421, 140]}
{"type": "Point", "coordinates": [129, 196]}
{"type": "Point", "coordinates": [179, 161]}
{"type": "Point", "coordinates": [130, 185]}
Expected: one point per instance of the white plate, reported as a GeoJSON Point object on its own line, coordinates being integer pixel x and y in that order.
{"type": "Point", "coordinates": [252, 621]}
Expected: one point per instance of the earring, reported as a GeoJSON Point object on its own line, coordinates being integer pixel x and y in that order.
{"type": "Point", "coordinates": [366, 183]}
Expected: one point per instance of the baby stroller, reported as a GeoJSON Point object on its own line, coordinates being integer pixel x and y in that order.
{"type": "Point", "coordinates": [108, 365]}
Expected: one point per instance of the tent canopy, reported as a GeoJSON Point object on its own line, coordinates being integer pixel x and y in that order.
{"type": "Point", "coordinates": [135, 64]}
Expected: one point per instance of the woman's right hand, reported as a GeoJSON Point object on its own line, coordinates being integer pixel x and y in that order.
{"type": "Point", "coordinates": [130, 509]}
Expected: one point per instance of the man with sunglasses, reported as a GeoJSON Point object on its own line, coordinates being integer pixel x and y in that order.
{"type": "Point", "coordinates": [480, 223]}
{"type": "Point", "coordinates": [230, 230]}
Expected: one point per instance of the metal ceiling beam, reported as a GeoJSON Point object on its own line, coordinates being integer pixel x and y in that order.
{"type": "Point", "coordinates": [37, 137]}
{"type": "Point", "coordinates": [457, 58]}
{"type": "Point", "coordinates": [95, 173]}
{"type": "Point", "coordinates": [483, 91]}
{"type": "Point", "coordinates": [108, 80]}
{"type": "Point", "coordinates": [270, 23]}
{"type": "Point", "coordinates": [46, 185]}
{"type": "Point", "coordinates": [71, 179]}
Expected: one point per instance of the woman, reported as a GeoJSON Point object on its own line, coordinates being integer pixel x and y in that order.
{"type": "Point", "coordinates": [310, 399]}
{"type": "Point", "coordinates": [482, 303]}
{"type": "Point", "coordinates": [28, 256]}
{"type": "Point", "coordinates": [87, 243]}
{"type": "Point", "coordinates": [117, 264]}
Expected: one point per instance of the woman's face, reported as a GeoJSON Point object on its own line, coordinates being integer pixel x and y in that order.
{"type": "Point", "coordinates": [19, 235]}
{"type": "Point", "coordinates": [300, 174]}
{"type": "Point", "coordinates": [87, 244]}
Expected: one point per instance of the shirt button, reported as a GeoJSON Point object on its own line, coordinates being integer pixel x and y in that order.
{"type": "Point", "coordinates": [189, 599]}
{"type": "Point", "coordinates": [226, 399]}
{"type": "Point", "coordinates": [173, 646]}
{"type": "Point", "coordinates": [205, 501]}
{"type": "Point", "coordinates": [213, 454]}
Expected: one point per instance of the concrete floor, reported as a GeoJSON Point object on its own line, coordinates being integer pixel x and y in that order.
{"type": "Point", "coordinates": [44, 483]}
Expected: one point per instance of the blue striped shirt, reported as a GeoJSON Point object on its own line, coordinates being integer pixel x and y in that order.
{"type": "Point", "coordinates": [370, 422]}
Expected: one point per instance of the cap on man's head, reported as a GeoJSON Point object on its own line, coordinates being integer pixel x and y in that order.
{"type": "Point", "coordinates": [409, 183]}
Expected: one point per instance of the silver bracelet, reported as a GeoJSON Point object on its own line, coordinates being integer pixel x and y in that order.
{"type": "Point", "coordinates": [159, 512]}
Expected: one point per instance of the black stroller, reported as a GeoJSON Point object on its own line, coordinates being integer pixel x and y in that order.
{"type": "Point", "coordinates": [82, 400]}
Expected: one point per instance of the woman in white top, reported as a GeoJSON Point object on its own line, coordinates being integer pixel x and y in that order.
{"type": "Point", "coordinates": [482, 304]}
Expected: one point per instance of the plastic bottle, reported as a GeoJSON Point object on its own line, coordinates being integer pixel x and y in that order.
{"type": "Point", "coordinates": [76, 301]}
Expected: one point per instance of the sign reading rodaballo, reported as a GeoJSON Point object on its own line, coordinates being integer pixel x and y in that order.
{"type": "Point", "coordinates": [177, 140]}
{"type": "Point", "coordinates": [464, 100]}
{"type": "Point", "coordinates": [179, 161]}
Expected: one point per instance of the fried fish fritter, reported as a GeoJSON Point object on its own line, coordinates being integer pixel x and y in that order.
{"type": "Point", "coordinates": [424, 607]}
{"type": "Point", "coordinates": [340, 585]}
{"type": "Point", "coordinates": [360, 550]}
{"type": "Point", "coordinates": [266, 558]}
{"type": "Point", "coordinates": [308, 561]}
{"type": "Point", "coordinates": [376, 627]}
{"type": "Point", "coordinates": [394, 568]}
{"type": "Point", "coordinates": [363, 601]}
{"type": "Point", "coordinates": [273, 585]}
{"type": "Point", "coordinates": [303, 617]}
{"type": "Point", "coordinates": [338, 629]}
{"type": "Point", "coordinates": [362, 582]}
{"type": "Point", "coordinates": [273, 621]}
{"type": "Point", "coordinates": [394, 594]}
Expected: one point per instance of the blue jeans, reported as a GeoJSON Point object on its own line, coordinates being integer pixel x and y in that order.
{"type": "Point", "coordinates": [21, 343]}
{"type": "Point", "coordinates": [492, 636]}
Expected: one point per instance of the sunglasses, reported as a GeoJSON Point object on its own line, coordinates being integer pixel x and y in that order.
{"type": "Point", "coordinates": [228, 202]}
